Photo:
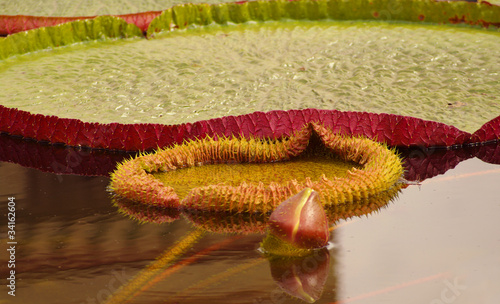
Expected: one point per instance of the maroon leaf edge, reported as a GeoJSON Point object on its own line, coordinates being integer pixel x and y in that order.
{"type": "Point", "coordinates": [11, 24]}
{"type": "Point", "coordinates": [71, 146]}
{"type": "Point", "coordinates": [394, 130]}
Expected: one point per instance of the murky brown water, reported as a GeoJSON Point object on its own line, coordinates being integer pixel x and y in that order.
{"type": "Point", "coordinates": [437, 243]}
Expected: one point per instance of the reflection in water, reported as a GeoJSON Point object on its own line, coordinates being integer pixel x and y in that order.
{"type": "Point", "coordinates": [302, 277]}
{"type": "Point", "coordinates": [145, 213]}
{"type": "Point", "coordinates": [75, 246]}
{"type": "Point", "coordinates": [227, 222]}
{"type": "Point", "coordinates": [71, 226]}
{"type": "Point", "coordinates": [155, 270]}
{"type": "Point", "coordinates": [423, 163]}
{"type": "Point", "coordinates": [57, 158]}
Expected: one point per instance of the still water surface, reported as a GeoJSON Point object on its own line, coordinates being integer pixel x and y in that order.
{"type": "Point", "coordinates": [438, 242]}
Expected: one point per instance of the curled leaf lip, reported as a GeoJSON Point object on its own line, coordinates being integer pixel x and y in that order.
{"type": "Point", "coordinates": [123, 137]}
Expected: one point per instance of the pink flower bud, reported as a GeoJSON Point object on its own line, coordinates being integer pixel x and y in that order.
{"type": "Point", "coordinates": [301, 221]}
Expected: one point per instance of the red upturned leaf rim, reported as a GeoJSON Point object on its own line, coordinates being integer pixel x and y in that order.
{"type": "Point", "coordinates": [394, 130]}
{"type": "Point", "coordinates": [11, 24]}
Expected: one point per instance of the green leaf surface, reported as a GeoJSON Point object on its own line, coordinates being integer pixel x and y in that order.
{"type": "Point", "coordinates": [438, 73]}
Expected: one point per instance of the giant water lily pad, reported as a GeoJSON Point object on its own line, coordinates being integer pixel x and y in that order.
{"type": "Point", "coordinates": [208, 61]}
{"type": "Point", "coordinates": [429, 72]}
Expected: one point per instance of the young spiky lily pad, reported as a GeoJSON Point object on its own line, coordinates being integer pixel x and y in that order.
{"type": "Point", "coordinates": [203, 174]}
{"type": "Point", "coordinates": [297, 226]}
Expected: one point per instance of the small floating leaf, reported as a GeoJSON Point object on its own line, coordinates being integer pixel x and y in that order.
{"type": "Point", "coordinates": [379, 170]}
